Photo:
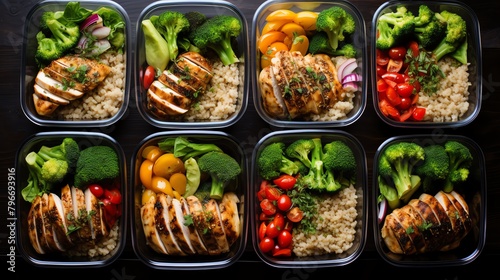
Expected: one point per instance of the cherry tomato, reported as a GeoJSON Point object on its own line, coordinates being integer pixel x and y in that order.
{"type": "Point", "coordinates": [272, 193]}
{"type": "Point", "coordinates": [272, 230]}
{"type": "Point", "coordinates": [295, 214]}
{"type": "Point", "coordinates": [404, 89]}
{"type": "Point", "coordinates": [394, 65]}
{"type": "Point", "coordinates": [288, 225]}
{"type": "Point", "coordinates": [381, 70]}
{"type": "Point", "coordinates": [382, 58]}
{"type": "Point", "coordinates": [148, 76]}
{"type": "Point", "coordinates": [261, 194]}
{"type": "Point", "coordinates": [397, 53]}
{"type": "Point", "coordinates": [267, 207]}
{"type": "Point", "coordinates": [395, 77]}
{"type": "Point", "coordinates": [418, 113]}
{"type": "Point", "coordinates": [266, 244]}
{"type": "Point", "coordinates": [388, 110]}
{"type": "Point", "coordinates": [262, 230]}
{"type": "Point", "coordinates": [113, 195]}
{"type": "Point", "coordinates": [406, 115]}
{"type": "Point", "coordinates": [110, 211]}
{"type": "Point", "coordinates": [405, 103]}
{"type": "Point", "coordinates": [286, 252]}
{"type": "Point", "coordinates": [264, 217]}
{"type": "Point", "coordinates": [393, 96]}
{"type": "Point", "coordinates": [285, 181]}
{"type": "Point", "coordinates": [96, 190]}
{"type": "Point", "coordinates": [381, 85]}
{"type": "Point", "coordinates": [284, 239]}
{"type": "Point", "coordinates": [413, 47]}
{"type": "Point", "coordinates": [284, 202]}
{"type": "Point", "coordinates": [279, 221]}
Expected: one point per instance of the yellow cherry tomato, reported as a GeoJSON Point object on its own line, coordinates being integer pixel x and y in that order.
{"type": "Point", "coordinates": [293, 29]}
{"type": "Point", "coordinates": [281, 14]}
{"type": "Point", "coordinates": [148, 196]}
{"type": "Point", "coordinates": [301, 44]}
{"type": "Point", "coordinates": [152, 153]}
{"type": "Point", "coordinates": [288, 42]}
{"type": "Point", "coordinates": [168, 164]}
{"type": "Point", "coordinates": [274, 25]}
{"type": "Point", "coordinates": [270, 37]}
{"type": "Point", "coordinates": [306, 19]}
{"type": "Point", "coordinates": [146, 173]}
{"type": "Point", "coordinates": [161, 185]}
{"type": "Point", "coordinates": [178, 182]}
{"type": "Point", "coordinates": [276, 47]}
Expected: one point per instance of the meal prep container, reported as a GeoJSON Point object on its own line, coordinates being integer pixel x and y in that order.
{"type": "Point", "coordinates": [190, 262]}
{"type": "Point", "coordinates": [56, 259]}
{"type": "Point", "coordinates": [358, 41]}
{"type": "Point", "coordinates": [29, 67]}
{"type": "Point", "coordinates": [474, 59]}
{"type": "Point", "coordinates": [361, 186]}
{"type": "Point", "coordinates": [241, 49]}
{"type": "Point", "coordinates": [473, 191]}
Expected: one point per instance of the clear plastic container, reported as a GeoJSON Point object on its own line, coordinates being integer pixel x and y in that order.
{"type": "Point", "coordinates": [473, 191]}
{"type": "Point", "coordinates": [474, 68]}
{"type": "Point", "coordinates": [199, 261]}
{"type": "Point", "coordinates": [332, 259]}
{"type": "Point", "coordinates": [30, 69]}
{"type": "Point", "coordinates": [357, 39]}
{"type": "Point", "coordinates": [240, 47]}
{"type": "Point", "coordinates": [69, 258]}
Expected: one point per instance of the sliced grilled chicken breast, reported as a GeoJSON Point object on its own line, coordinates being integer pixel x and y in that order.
{"type": "Point", "coordinates": [36, 228]}
{"type": "Point", "coordinates": [49, 96]}
{"type": "Point", "coordinates": [56, 217]}
{"type": "Point", "coordinates": [315, 96]}
{"type": "Point", "coordinates": [177, 228]}
{"type": "Point", "coordinates": [56, 87]}
{"type": "Point", "coordinates": [44, 107]}
{"type": "Point", "coordinates": [272, 101]}
{"type": "Point", "coordinates": [230, 217]}
{"type": "Point", "coordinates": [201, 218]}
{"type": "Point", "coordinates": [163, 105]}
{"type": "Point", "coordinates": [69, 215]}
{"type": "Point", "coordinates": [190, 62]}
{"type": "Point", "coordinates": [150, 231]}
{"type": "Point", "coordinates": [80, 213]}
{"type": "Point", "coordinates": [193, 235]}
{"type": "Point", "coordinates": [179, 85]}
{"type": "Point", "coordinates": [215, 222]}
{"type": "Point", "coordinates": [95, 211]}
{"type": "Point", "coordinates": [162, 223]}
{"type": "Point", "coordinates": [169, 95]}
{"type": "Point", "coordinates": [444, 222]}
{"type": "Point", "coordinates": [198, 59]}
{"type": "Point", "coordinates": [186, 75]}
{"type": "Point", "coordinates": [399, 230]}
{"type": "Point", "coordinates": [48, 215]}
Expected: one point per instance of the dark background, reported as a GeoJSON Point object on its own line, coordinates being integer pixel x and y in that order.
{"type": "Point", "coordinates": [369, 130]}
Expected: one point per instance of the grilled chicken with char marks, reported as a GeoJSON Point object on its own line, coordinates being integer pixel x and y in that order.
{"type": "Point", "coordinates": [162, 223]}
{"type": "Point", "coordinates": [427, 224]}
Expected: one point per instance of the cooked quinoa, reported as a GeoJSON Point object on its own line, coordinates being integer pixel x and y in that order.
{"type": "Point", "coordinates": [103, 102]}
{"type": "Point", "coordinates": [450, 102]}
{"type": "Point", "coordinates": [98, 249]}
{"type": "Point", "coordinates": [335, 226]}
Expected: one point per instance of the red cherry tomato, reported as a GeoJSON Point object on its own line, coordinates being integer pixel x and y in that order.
{"type": "Point", "coordinates": [284, 239]}
{"type": "Point", "coordinates": [381, 85]}
{"type": "Point", "coordinates": [279, 221]}
{"type": "Point", "coordinates": [267, 207]}
{"type": "Point", "coordinates": [261, 194]}
{"type": "Point", "coordinates": [406, 115]}
{"type": "Point", "coordinates": [405, 103]}
{"type": "Point", "coordinates": [286, 252]}
{"type": "Point", "coordinates": [393, 96]}
{"type": "Point", "coordinates": [295, 215]}
{"type": "Point", "coordinates": [418, 113]}
{"type": "Point", "coordinates": [266, 245]}
{"type": "Point", "coordinates": [273, 193]}
{"type": "Point", "coordinates": [288, 225]}
{"type": "Point", "coordinates": [272, 230]}
{"type": "Point", "coordinates": [113, 195]}
{"type": "Point", "coordinates": [397, 53]}
{"type": "Point", "coordinates": [96, 190]}
{"type": "Point", "coordinates": [382, 58]}
{"type": "Point", "coordinates": [381, 70]}
{"type": "Point", "coordinates": [285, 181]}
{"type": "Point", "coordinates": [394, 65]}
{"type": "Point", "coordinates": [404, 89]}
{"type": "Point", "coordinates": [262, 230]}
{"type": "Point", "coordinates": [284, 202]}
{"type": "Point", "coordinates": [148, 76]}
{"type": "Point", "coordinates": [394, 77]}
{"type": "Point", "coordinates": [413, 46]}
{"type": "Point", "coordinates": [264, 217]}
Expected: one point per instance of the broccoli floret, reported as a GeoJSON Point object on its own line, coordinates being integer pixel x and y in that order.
{"type": "Point", "coordinates": [460, 162]}
{"type": "Point", "coordinates": [182, 148]}
{"type": "Point", "coordinates": [36, 184]}
{"type": "Point", "coordinates": [336, 23]}
{"type": "Point", "coordinates": [300, 149]}
{"type": "Point", "coordinates": [431, 33]}
{"type": "Point", "coordinates": [455, 34]}
{"type": "Point", "coordinates": [394, 27]}
{"type": "Point", "coordinates": [96, 164]}
{"type": "Point", "coordinates": [434, 169]}
{"type": "Point", "coordinates": [339, 165]}
{"type": "Point", "coordinates": [396, 164]}
{"type": "Point", "coordinates": [222, 168]}
{"type": "Point", "coordinates": [319, 44]}
{"type": "Point", "coordinates": [460, 53]}
{"type": "Point", "coordinates": [47, 49]}
{"type": "Point", "coordinates": [54, 170]}
{"type": "Point", "coordinates": [272, 162]}
{"type": "Point", "coordinates": [68, 151]}
{"type": "Point", "coordinates": [65, 33]}
{"type": "Point", "coordinates": [195, 19]}
{"type": "Point", "coordinates": [217, 34]}
{"type": "Point", "coordinates": [425, 15]}
{"type": "Point", "coordinates": [170, 24]}
{"type": "Point", "coordinates": [315, 179]}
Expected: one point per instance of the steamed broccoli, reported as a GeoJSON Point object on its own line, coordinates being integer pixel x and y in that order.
{"type": "Point", "coordinates": [47, 49]}
{"type": "Point", "coordinates": [217, 34]}
{"type": "Point", "coordinates": [320, 44]}
{"type": "Point", "coordinates": [434, 169]}
{"type": "Point", "coordinates": [68, 151]}
{"type": "Point", "coordinates": [300, 149]}
{"type": "Point", "coordinates": [460, 162]}
{"type": "Point", "coordinates": [171, 24]}
{"type": "Point", "coordinates": [456, 33]}
{"type": "Point", "coordinates": [222, 168]}
{"type": "Point", "coordinates": [272, 162]}
{"type": "Point", "coordinates": [396, 166]}
{"type": "Point", "coordinates": [182, 148]}
{"type": "Point", "coordinates": [96, 164]}
{"type": "Point", "coordinates": [429, 30]}
{"type": "Point", "coordinates": [394, 27]}
{"type": "Point", "coordinates": [339, 165]}
{"type": "Point", "coordinates": [336, 22]}
{"type": "Point", "coordinates": [195, 19]}
{"type": "Point", "coordinates": [315, 179]}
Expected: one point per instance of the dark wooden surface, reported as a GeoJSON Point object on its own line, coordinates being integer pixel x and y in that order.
{"type": "Point", "coordinates": [369, 129]}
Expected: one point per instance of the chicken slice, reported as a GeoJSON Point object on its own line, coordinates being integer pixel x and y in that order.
{"type": "Point", "coordinates": [201, 223]}
{"type": "Point", "coordinates": [230, 217]}
{"type": "Point", "coordinates": [215, 223]}
{"type": "Point", "coordinates": [445, 226]}
{"type": "Point", "coordinates": [56, 216]}
{"type": "Point", "coordinates": [280, 75]}
{"type": "Point", "coordinates": [49, 96]}
{"type": "Point", "coordinates": [306, 71]}
{"type": "Point", "coordinates": [49, 215]}
{"type": "Point", "coordinates": [44, 107]}
{"type": "Point", "coordinates": [169, 95]}
{"type": "Point", "coordinates": [187, 62]}
{"type": "Point", "coordinates": [186, 75]}
{"type": "Point", "coordinates": [163, 105]}
{"type": "Point", "coordinates": [332, 88]}
{"type": "Point", "coordinates": [388, 235]}
{"type": "Point", "coordinates": [430, 226]}
{"type": "Point", "coordinates": [179, 85]}
{"type": "Point", "coordinates": [69, 217]}
{"type": "Point", "coordinates": [95, 211]}
{"type": "Point", "coordinates": [148, 213]}
{"type": "Point", "coordinates": [178, 229]}
{"type": "Point", "coordinates": [458, 228]}
{"type": "Point", "coordinates": [462, 209]}
{"type": "Point", "coordinates": [36, 228]}
{"type": "Point", "coordinates": [80, 214]}
{"type": "Point", "coordinates": [194, 237]}
{"type": "Point", "coordinates": [57, 87]}
{"type": "Point", "coordinates": [198, 59]}
{"type": "Point", "coordinates": [272, 101]}
{"type": "Point", "coordinates": [400, 233]}
{"type": "Point", "coordinates": [162, 223]}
